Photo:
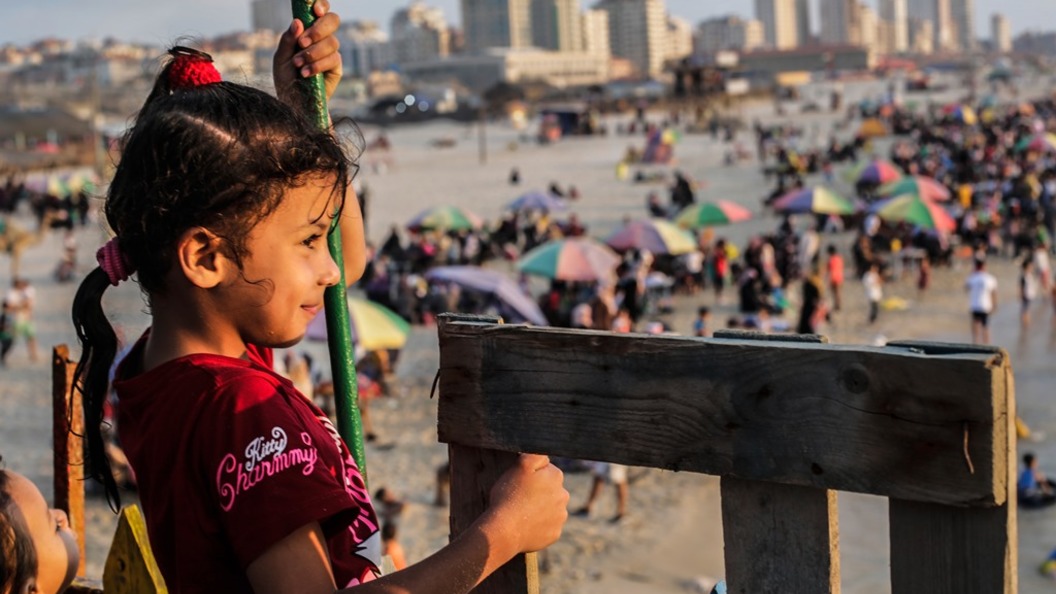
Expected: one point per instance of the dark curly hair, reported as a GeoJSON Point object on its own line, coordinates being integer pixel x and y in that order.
{"type": "Point", "coordinates": [219, 156]}
{"type": "Point", "coordinates": [18, 554]}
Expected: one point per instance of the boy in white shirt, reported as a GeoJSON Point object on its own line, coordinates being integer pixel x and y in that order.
{"type": "Point", "coordinates": [982, 300]}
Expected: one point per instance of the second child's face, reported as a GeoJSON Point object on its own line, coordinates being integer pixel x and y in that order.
{"type": "Point", "coordinates": [287, 269]}
{"type": "Point", "coordinates": [56, 545]}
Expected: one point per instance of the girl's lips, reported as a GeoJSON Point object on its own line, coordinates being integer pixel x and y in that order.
{"type": "Point", "coordinates": [312, 309]}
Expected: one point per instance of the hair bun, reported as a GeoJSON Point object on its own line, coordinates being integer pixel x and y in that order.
{"type": "Point", "coordinates": [191, 68]}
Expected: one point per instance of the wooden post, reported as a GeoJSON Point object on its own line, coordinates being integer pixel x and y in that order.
{"type": "Point", "coordinates": [779, 538]}
{"type": "Point", "coordinates": [67, 425]}
{"type": "Point", "coordinates": [942, 549]}
{"type": "Point", "coordinates": [130, 567]}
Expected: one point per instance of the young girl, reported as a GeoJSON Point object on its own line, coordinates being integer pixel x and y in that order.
{"type": "Point", "coordinates": [38, 552]}
{"type": "Point", "coordinates": [221, 204]}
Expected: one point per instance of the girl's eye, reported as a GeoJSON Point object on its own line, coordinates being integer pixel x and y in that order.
{"type": "Point", "coordinates": [310, 241]}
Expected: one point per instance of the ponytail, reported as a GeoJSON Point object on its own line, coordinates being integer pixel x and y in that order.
{"type": "Point", "coordinates": [92, 376]}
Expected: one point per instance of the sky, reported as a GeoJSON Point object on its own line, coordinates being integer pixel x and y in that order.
{"type": "Point", "coordinates": [163, 22]}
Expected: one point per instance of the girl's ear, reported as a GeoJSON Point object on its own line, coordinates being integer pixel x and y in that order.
{"type": "Point", "coordinates": [201, 259]}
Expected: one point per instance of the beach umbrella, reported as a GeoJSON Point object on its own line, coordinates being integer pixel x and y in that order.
{"type": "Point", "coordinates": [819, 200]}
{"type": "Point", "coordinates": [81, 181]}
{"type": "Point", "coordinates": [872, 128]}
{"type": "Point", "coordinates": [512, 298]}
{"type": "Point", "coordinates": [1045, 142]}
{"type": "Point", "coordinates": [537, 201]}
{"type": "Point", "coordinates": [373, 326]}
{"type": "Point", "coordinates": [573, 259]}
{"type": "Point", "coordinates": [707, 214]}
{"type": "Point", "coordinates": [961, 113]}
{"type": "Point", "coordinates": [445, 218]}
{"type": "Point", "coordinates": [915, 210]}
{"type": "Point", "coordinates": [915, 184]}
{"type": "Point", "coordinates": [874, 171]}
{"type": "Point", "coordinates": [656, 235]}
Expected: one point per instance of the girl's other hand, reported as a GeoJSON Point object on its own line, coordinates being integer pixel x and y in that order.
{"type": "Point", "coordinates": [529, 505]}
{"type": "Point", "coordinates": [303, 53]}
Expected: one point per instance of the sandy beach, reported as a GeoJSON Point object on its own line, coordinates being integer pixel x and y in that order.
{"type": "Point", "coordinates": [671, 540]}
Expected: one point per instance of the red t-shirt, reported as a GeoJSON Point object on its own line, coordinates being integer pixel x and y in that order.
{"type": "Point", "coordinates": [230, 458]}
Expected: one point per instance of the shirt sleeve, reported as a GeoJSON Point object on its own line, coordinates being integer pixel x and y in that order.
{"type": "Point", "coordinates": [269, 471]}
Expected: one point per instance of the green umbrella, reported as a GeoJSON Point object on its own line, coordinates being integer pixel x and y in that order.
{"type": "Point", "coordinates": [708, 214]}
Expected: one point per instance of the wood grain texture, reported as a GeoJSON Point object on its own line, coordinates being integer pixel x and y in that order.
{"type": "Point", "coordinates": [67, 427]}
{"type": "Point", "coordinates": [130, 566]}
{"type": "Point", "coordinates": [888, 422]}
{"type": "Point", "coordinates": [779, 538]}
{"type": "Point", "coordinates": [473, 472]}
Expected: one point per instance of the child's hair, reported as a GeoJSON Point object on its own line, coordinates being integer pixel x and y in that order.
{"type": "Point", "coordinates": [18, 554]}
{"type": "Point", "coordinates": [219, 156]}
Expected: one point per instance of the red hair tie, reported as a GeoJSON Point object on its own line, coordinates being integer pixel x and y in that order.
{"type": "Point", "coordinates": [191, 68]}
{"type": "Point", "coordinates": [114, 262]}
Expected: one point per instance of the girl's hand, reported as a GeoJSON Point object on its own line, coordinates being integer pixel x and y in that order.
{"type": "Point", "coordinates": [303, 53]}
{"type": "Point", "coordinates": [529, 505]}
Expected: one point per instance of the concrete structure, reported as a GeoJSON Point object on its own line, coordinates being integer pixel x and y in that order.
{"type": "Point", "coordinates": [557, 25]}
{"type": "Point", "coordinates": [945, 31]}
{"type": "Point", "coordinates": [836, 21]}
{"type": "Point", "coordinates": [419, 33]}
{"type": "Point", "coordinates": [679, 38]}
{"type": "Point", "coordinates": [813, 59]}
{"type": "Point", "coordinates": [1000, 33]}
{"type": "Point", "coordinates": [921, 36]}
{"type": "Point", "coordinates": [868, 28]}
{"type": "Point", "coordinates": [596, 37]}
{"type": "Point", "coordinates": [638, 32]}
{"type": "Point", "coordinates": [779, 22]}
{"type": "Point", "coordinates": [896, 15]}
{"type": "Point", "coordinates": [365, 48]}
{"type": "Point", "coordinates": [962, 13]}
{"type": "Point", "coordinates": [271, 15]}
{"type": "Point", "coordinates": [496, 23]}
{"type": "Point", "coordinates": [728, 33]}
{"type": "Point", "coordinates": [482, 71]}
{"type": "Point", "coordinates": [803, 22]}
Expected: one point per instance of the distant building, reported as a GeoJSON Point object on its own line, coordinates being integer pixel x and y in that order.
{"type": "Point", "coordinates": [812, 59]}
{"type": "Point", "coordinates": [895, 13]}
{"type": "Point", "coordinates": [868, 28]}
{"type": "Point", "coordinates": [728, 33]}
{"type": "Point", "coordinates": [557, 25]}
{"type": "Point", "coordinates": [779, 22]}
{"type": "Point", "coordinates": [945, 28]}
{"type": "Point", "coordinates": [837, 21]}
{"type": "Point", "coordinates": [1000, 33]}
{"type": "Point", "coordinates": [482, 71]}
{"type": "Point", "coordinates": [271, 15]}
{"type": "Point", "coordinates": [962, 13]}
{"type": "Point", "coordinates": [803, 33]}
{"type": "Point", "coordinates": [638, 32]}
{"type": "Point", "coordinates": [921, 36]}
{"type": "Point", "coordinates": [496, 23]}
{"type": "Point", "coordinates": [679, 38]}
{"type": "Point", "coordinates": [596, 36]}
{"type": "Point", "coordinates": [365, 48]}
{"type": "Point", "coordinates": [1035, 43]}
{"type": "Point", "coordinates": [419, 33]}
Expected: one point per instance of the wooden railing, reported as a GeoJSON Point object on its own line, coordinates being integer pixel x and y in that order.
{"type": "Point", "coordinates": [785, 424]}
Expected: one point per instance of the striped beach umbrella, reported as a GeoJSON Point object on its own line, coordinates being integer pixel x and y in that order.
{"type": "Point", "coordinates": [537, 201]}
{"type": "Point", "coordinates": [1038, 143]}
{"type": "Point", "coordinates": [656, 235]}
{"type": "Point", "coordinates": [961, 113]}
{"type": "Point", "coordinates": [574, 259]}
{"type": "Point", "coordinates": [874, 171]}
{"type": "Point", "coordinates": [915, 210]}
{"type": "Point", "coordinates": [916, 184]}
{"type": "Point", "coordinates": [708, 214]}
{"type": "Point", "coordinates": [819, 200]}
{"type": "Point", "coordinates": [445, 218]}
{"type": "Point", "coordinates": [373, 325]}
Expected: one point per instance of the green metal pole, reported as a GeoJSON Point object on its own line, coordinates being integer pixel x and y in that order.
{"type": "Point", "coordinates": [339, 333]}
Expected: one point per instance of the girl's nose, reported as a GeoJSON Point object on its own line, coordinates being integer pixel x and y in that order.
{"type": "Point", "coordinates": [331, 274]}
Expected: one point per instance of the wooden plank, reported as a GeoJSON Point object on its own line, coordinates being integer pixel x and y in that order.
{"type": "Point", "coordinates": [82, 585]}
{"type": "Point", "coordinates": [883, 421]}
{"type": "Point", "coordinates": [473, 472]}
{"type": "Point", "coordinates": [130, 567]}
{"type": "Point", "coordinates": [779, 538]}
{"type": "Point", "coordinates": [948, 550]}
{"type": "Point", "coordinates": [67, 426]}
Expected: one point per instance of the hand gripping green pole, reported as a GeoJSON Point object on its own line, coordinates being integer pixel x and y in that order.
{"type": "Point", "coordinates": [338, 330]}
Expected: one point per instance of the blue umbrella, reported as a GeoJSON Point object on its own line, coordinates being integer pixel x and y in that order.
{"type": "Point", "coordinates": [537, 201]}
{"type": "Point", "coordinates": [511, 297]}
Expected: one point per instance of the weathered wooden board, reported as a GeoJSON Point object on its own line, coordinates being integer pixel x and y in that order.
{"type": "Point", "coordinates": [889, 422]}
{"type": "Point", "coordinates": [473, 472]}
{"type": "Point", "coordinates": [779, 538]}
{"type": "Point", "coordinates": [130, 566]}
{"type": "Point", "coordinates": [67, 426]}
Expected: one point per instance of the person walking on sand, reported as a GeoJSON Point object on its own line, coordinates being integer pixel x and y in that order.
{"type": "Point", "coordinates": [874, 290]}
{"type": "Point", "coordinates": [614, 474]}
{"type": "Point", "coordinates": [834, 271]}
{"type": "Point", "coordinates": [1028, 290]}
{"type": "Point", "coordinates": [982, 301]}
{"type": "Point", "coordinates": [20, 301]}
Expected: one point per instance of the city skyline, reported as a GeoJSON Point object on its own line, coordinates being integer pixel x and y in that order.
{"type": "Point", "coordinates": [165, 23]}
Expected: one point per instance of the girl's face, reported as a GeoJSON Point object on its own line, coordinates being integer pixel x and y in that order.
{"type": "Point", "coordinates": [287, 269]}
{"type": "Point", "coordinates": [57, 553]}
